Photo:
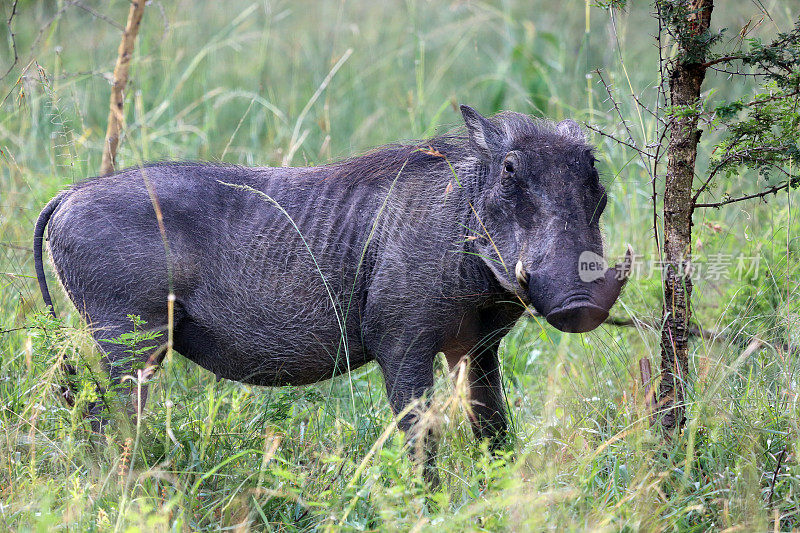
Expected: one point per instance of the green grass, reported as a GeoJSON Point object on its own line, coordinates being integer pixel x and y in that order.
{"type": "Point", "coordinates": [240, 82]}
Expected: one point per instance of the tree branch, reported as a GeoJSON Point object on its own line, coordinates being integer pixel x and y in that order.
{"type": "Point", "coordinates": [649, 111]}
{"type": "Point", "coordinates": [773, 98]}
{"type": "Point", "coordinates": [694, 330]}
{"type": "Point", "coordinates": [737, 73]}
{"type": "Point", "coordinates": [13, 41]}
{"type": "Point", "coordinates": [95, 14]}
{"type": "Point", "coordinates": [733, 156]}
{"type": "Point", "coordinates": [718, 60]}
{"type": "Point", "coordinates": [775, 476]}
{"type": "Point", "coordinates": [618, 140]}
{"type": "Point", "coordinates": [607, 87]}
{"type": "Point", "coordinates": [772, 190]}
{"type": "Point", "coordinates": [713, 173]}
{"type": "Point", "coordinates": [115, 115]}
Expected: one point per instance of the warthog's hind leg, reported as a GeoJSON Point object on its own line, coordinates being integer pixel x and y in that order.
{"type": "Point", "coordinates": [132, 351]}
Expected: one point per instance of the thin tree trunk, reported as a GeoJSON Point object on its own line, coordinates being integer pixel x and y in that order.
{"type": "Point", "coordinates": [686, 77]}
{"type": "Point", "coordinates": [115, 115]}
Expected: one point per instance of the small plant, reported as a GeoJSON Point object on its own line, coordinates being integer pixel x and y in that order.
{"type": "Point", "coordinates": [137, 342]}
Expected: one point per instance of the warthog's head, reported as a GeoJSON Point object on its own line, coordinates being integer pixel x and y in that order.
{"type": "Point", "coordinates": [540, 206]}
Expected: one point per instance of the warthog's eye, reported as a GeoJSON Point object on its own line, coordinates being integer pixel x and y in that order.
{"type": "Point", "coordinates": [510, 165]}
{"type": "Point", "coordinates": [592, 158]}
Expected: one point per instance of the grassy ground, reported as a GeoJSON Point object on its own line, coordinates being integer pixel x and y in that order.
{"type": "Point", "coordinates": [304, 82]}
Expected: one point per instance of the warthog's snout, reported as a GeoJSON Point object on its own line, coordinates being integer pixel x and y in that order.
{"type": "Point", "coordinates": [581, 312]}
{"type": "Point", "coordinates": [578, 317]}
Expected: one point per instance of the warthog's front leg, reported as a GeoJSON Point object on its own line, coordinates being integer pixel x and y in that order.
{"type": "Point", "coordinates": [478, 350]}
{"type": "Point", "coordinates": [487, 402]}
{"type": "Point", "coordinates": [409, 380]}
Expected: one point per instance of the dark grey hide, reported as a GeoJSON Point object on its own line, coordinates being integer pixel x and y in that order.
{"type": "Point", "coordinates": [295, 275]}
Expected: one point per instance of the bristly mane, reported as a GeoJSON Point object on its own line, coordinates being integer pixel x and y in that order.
{"type": "Point", "coordinates": [519, 128]}
{"type": "Point", "coordinates": [384, 163]}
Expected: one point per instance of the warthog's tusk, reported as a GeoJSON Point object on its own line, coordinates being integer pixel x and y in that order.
{"type": "Point", "coordinates": [522, 276]}
{"type": "Point", "coordinates": [624, 268]}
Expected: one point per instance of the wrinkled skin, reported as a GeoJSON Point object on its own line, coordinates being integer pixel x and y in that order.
{"type": "Point", "coordinates": [295, 275]}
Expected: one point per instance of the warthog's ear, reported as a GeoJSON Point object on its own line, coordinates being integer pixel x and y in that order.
{"type": "Point", "coordinates": [483, 135]}
{"type": "Point", "coordinates": [570, 128]}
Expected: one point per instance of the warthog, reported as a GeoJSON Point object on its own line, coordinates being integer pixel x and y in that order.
{"type": "Point", "coordinates": [295, 275]}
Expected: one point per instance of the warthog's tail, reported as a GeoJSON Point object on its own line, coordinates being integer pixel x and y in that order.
{"type": "Point", "coordinates": [67, 389]}
{"type": "Point", "coordinates": [38, 244]}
